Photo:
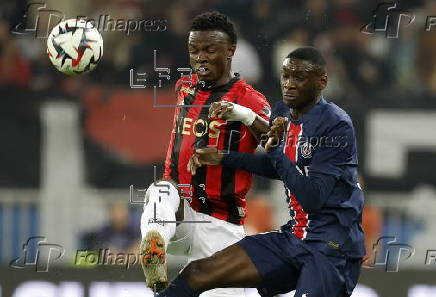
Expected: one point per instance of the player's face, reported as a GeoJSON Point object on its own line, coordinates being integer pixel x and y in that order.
{"type": "Point", "coordinates": [301, 83]}
{"type": "Point", "coordinates": [210, 54]}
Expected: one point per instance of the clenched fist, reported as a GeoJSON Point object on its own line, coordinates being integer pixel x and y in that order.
{"type": "Point", "coordinates": [204, 156]}
{"type": "Point", "coordinates": [276, 133]}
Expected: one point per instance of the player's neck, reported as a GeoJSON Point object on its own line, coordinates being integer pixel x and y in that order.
{"type": "Point", "coordinates": [297, 113]}
{"type": "Point", "coordinates": [224, 79]}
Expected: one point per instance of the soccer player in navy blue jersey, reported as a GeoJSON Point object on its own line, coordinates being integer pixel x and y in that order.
{"type": "Point", "coordinates": [311, 147]}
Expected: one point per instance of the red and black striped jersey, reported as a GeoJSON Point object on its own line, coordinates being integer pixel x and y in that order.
{"type": "Point", "coordinates": [216, 190]}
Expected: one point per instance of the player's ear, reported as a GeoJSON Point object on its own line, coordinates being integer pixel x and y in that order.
{"type": "Point", "coordinates": [322, 81]}
{"type": "Point", "coordinates": [231, 51]}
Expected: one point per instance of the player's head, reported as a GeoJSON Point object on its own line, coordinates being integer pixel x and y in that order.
{"type": "Point", "coordinates": [303, 77]}
{"type": "Point", "coordinates": [211, 45]}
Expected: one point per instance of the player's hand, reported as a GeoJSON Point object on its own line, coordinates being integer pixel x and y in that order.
{"type": "Point", "coordinates": [276, 133]}
{"type": "Point", "coordinates": [272, 144]}
{"type": "Point", "coordinates": [219, 110]}
{"type": "Point", "coordinates": [232, 112]}
{"type": "Point", "coordinates": [204, 156]}
{"type": "Point", "coordinates": [278, 127]}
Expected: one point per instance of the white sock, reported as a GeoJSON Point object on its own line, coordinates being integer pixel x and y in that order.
{"type": "Point", "coordinates": [156, 213]}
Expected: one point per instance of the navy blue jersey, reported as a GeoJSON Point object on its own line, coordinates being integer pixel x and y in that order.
{"type": "Point", "coordinates": [317, 161]}
{"type": "Point", "coordinates": [323, 141]}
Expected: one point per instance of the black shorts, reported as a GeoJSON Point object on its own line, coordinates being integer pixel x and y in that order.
{"type": "Point", "coordinates": [286, 263]}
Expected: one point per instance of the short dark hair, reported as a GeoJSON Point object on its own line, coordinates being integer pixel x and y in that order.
{"type": "Point", "coordinates": [310, 54]}
{"type": "Point", "coordinates": [214, 20]}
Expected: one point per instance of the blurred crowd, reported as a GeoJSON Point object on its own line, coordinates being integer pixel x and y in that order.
{"type": "Point", "coordinates": [364, 70]}
{"type": "Point", "coordinates": [119, 234]}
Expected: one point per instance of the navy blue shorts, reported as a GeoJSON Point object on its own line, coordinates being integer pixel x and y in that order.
{"type": "Point", "coordinates": [286, 263]}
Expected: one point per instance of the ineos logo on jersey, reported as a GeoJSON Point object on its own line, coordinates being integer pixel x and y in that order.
{"type": "Point", "coordinates": [199, 127]}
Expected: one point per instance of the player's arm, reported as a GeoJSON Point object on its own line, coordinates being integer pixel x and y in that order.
{"type": "Point", "coordinates": [313, 189]}
{"type": "Point", "coordinates": [168, 166]}
{"type": "Point", "coordinates": [258, 164]}
{"type": "Point", "coordinates": [234, 112]}
{"type": "Point", "coordinates": [310, 191]}
{"type": "Point", "coordinates": [259, 127]}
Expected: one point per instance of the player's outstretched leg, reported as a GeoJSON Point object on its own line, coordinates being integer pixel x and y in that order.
{"type": "Point", "coordinates": [228, 268]}
{"type": "Point", "coordinates": [161, 203]}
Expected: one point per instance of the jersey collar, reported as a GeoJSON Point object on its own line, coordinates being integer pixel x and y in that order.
{"type": "Point", "coordinates": [314, 111]}
{"type": "Point", "coordinates": [228, 85]}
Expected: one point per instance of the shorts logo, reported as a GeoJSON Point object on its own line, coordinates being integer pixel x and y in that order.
{"type": "Point", "coordinates": [241, 212]}
{"type": "Point", "coordinates": [156, 221]}
{"type": "Point", "coordinates": [333, 244]}
{"type": "Point", "coordinates": [306, 150]}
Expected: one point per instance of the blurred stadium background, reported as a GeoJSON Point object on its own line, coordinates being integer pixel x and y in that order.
{"type": "Point", "coordinates": [72, 146]}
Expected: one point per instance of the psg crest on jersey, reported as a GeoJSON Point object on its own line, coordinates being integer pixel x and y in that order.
{"type": "Point", "coordinates": [306, 150]}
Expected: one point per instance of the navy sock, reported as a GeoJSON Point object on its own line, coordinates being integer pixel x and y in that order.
{"type": "Point", "coordinates": [178, 288]}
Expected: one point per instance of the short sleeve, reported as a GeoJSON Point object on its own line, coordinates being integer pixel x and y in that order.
{"type": "Point", "coordinates": [257, 103]}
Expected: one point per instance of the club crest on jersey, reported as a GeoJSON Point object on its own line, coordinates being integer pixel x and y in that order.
{"type": "Point", "coordinates": [187, 90]}
{"type": "Point", "coordinates": [266, 111]}
{"type": "Point", "coordinates": [306, 150]}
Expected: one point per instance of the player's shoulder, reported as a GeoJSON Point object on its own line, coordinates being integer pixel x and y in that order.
{"type": "Point", "coordinates": [248, 95]}
{"type": "Point", "coordinates": [279, 109]}
{"type": "Point", "coordinates": [332, 115]}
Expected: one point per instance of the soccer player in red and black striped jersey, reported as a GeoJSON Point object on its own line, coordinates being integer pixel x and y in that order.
{"type": "Point", "coordinates": [218, 193]}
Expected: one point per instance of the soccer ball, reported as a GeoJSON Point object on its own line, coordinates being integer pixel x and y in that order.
{"type": "Point", "coordinates": [75, 46]}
